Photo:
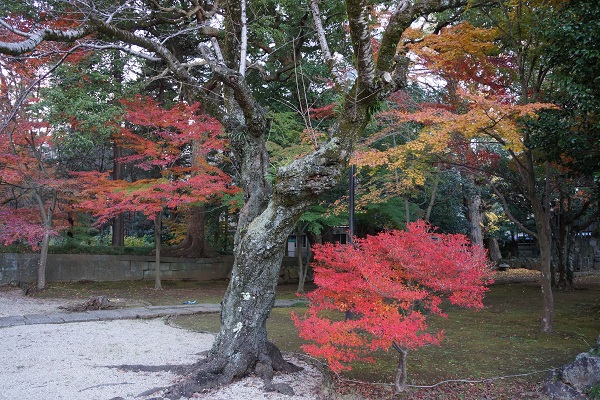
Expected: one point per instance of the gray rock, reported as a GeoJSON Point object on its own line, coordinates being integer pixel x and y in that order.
{"type": "Point", "coordinates": [583, 373]}
{"type": "Point", "coordinates": [282, 388]}
{"type": "Point", "coordinates": [560, 391]}
{"type": "Point", "coordinates": [573, 380]}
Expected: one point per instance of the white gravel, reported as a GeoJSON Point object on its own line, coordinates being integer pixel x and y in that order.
{"type": "Point", "coordinates": [75, 361]}
{"type": "Point", "coordinates": [12, 302]}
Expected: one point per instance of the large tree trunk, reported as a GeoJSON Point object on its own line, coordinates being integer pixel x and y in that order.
{"type": "Point", "coordinates": [565, 267]}
{"type": "Point", "coordinates": [194, 245]}
{"type": "Point", "coordinates": [242, 345]}
{"type": "Point", "coordinates": [472, 198]}
{"type": "Point", "coordinates": [541, 212]}
{"type": "Point", "coordinates": [493, 250]}
{"type": "Point", "coordinates": [271, 210]}
{"type": "Point", "coordinates": [242, 341]}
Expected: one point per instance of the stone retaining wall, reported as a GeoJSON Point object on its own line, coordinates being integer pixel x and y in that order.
{"type": "Point", "coordinates": [78, 267]}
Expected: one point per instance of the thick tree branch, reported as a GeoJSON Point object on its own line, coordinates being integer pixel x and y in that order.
{"type": "Point", "coordinates": [148, 44]}
{"type": "Point", "coordinates": [322, 36]}
{"type": "Point", "coordinates": [360, 34]}
{"type": "Point", "coordinates": [308, 177]}
{"type": "Point", "coordinates": [254, 113]}
{"type": "Point", "coordinates": [34, 39]}
{"type": "Point", "coordinates": [243, 38]}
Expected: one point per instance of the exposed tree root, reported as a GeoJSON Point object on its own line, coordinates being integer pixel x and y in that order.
{"type": "Point", "coordinates": [214, 372]}
{"type": "Point", "coordinates": [93, 303]}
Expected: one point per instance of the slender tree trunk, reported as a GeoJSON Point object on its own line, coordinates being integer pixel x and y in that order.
{"type": "Point", "coordinates": [434, 189]}
{"type": "Point", "coordinates": [406, 209]}
{"type": "Point", "coordinates": [400, 380]}
{"type": "Point", "coordinates": [545, 243]}
{"type": "Point", "coordinates": [562, 249]}
{"type": "Point", "coordinates": [302, 266]}
{"type": "Point", "coordinates": [118, 222]}
{"type": "Point", "coordinates": [41, 283]}
{"type": "Point", "coordinates": [48, 221]}
{"type": "Point", "coordinates": [157, 247]}
{"type": "Point", "coordinates": [541, 212]}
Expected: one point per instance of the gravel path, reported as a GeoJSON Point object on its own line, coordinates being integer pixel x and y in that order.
{"type": "Point", "coordinates": [76, 360]}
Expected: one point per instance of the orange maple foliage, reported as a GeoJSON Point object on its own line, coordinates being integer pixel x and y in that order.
{"type": "Point", "coordinates": [466, 54]}
{"type": "Point", "coordinates": [479, 106]}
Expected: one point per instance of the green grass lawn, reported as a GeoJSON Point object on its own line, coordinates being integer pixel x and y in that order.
{"type": "Point", "coordinates": [502, 340]}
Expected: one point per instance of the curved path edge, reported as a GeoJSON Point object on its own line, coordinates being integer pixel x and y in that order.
{"type": "Point", "coordinates": [119, 313]}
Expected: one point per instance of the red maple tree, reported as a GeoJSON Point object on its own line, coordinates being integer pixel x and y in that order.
{"type": "Point", "coordinates": [387, 285]}
{"type": "Point", "coordinates": [173, 145]}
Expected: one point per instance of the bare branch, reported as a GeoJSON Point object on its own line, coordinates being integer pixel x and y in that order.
{"type": "Point", "coordinates": [117, 10]}
{"type": "Point", "coordinates": [510, 215]}
{"type": "Point", "coordinates": [23, 95]}
{"type": "Point", "coordinates": [314, 7]}
{"type": "Point", "coordinates": [219, 55]}
{"type": "Point", "coordinates": [125, 49]}
{"type": "Point", "coordinates": [128, 37]}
